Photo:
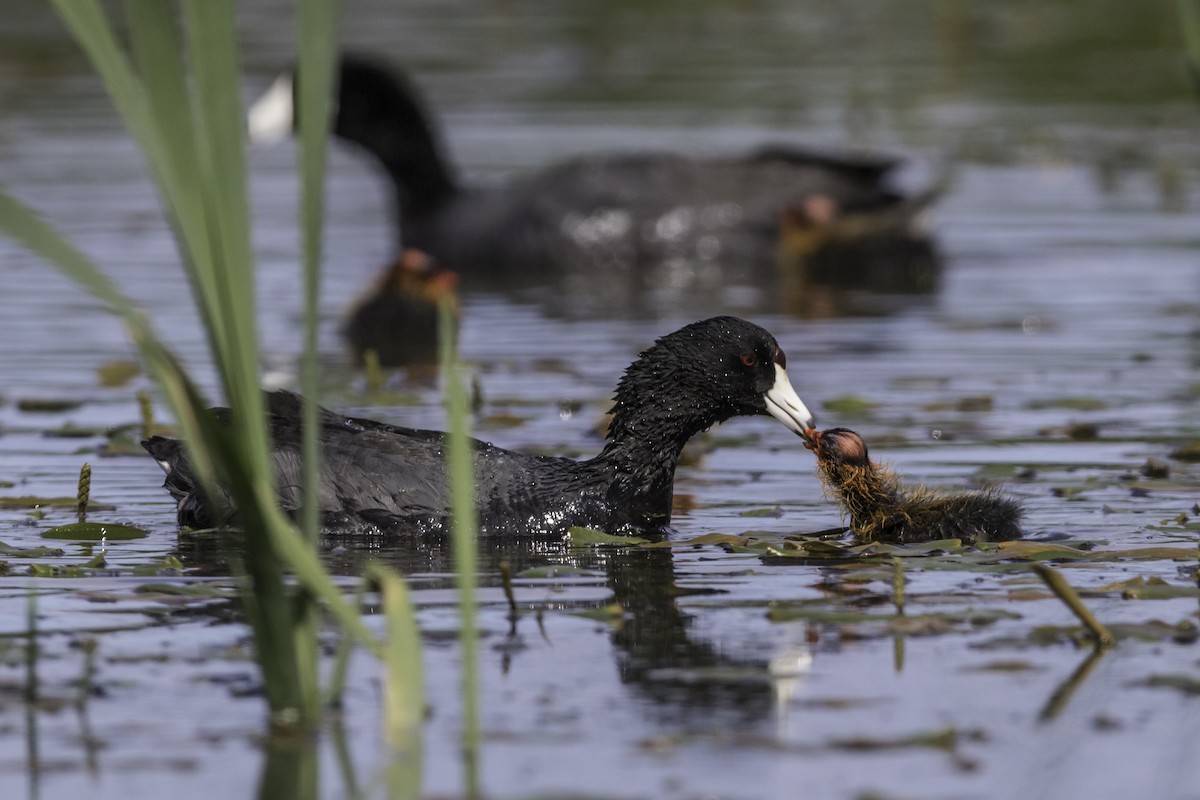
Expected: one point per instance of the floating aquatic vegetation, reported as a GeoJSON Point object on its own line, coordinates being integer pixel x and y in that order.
{"type": "Point", "coordinates": [47, 405]}
{"type": "Point", "coordinates": [1190, 451]}
{"type": "Point", "coordinates": [581, 537]}
{"type": "Point", "coordinates": [118, 372]}
{"type": "Point", "coordinates": [95, 532]}
{"type": "Point", "coordinates": [850, 405]}
{"type": "Point", "coordinates": [28, 552]}
{"type": "Point", "coordinates": [774, 511]}
{"type": "Point", "coordinates": [1068, 403]}
{"type": "Point", "coordinates": [69, 430]}
{"type": "Point", "coordinates": [558, 571]}
{"type": "Point", "coordinates": [1185, 684]}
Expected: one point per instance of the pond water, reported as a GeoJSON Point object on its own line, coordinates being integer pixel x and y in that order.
{"type": "Point", "coordinates": [1060, 354]}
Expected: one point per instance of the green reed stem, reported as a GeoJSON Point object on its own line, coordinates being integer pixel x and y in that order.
{"type": "Point", "coordinates": [84, 491]}
{"type": "Point", "coordinates": [317, 31]}
{"type": "Point", "coordinates": [1064, 591]}
{"type": "Point", "coordinates": [146, 413]}
{"type": "Point", "coordinates": [1189, 17]}
{"type": "Point", "coordinates": [898, 583]}
{"type": "Point", "coordinates": [461, 472]}
{"type": "Point", "coordinates": [373, 371]}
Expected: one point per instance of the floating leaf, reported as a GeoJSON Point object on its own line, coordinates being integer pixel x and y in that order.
{"type": "Point", "coordinates": [118, 372]}
{"type": "Point", "coordinates": [945, 739]}
{"type": "Point", "coordinates": [500, 420]}
{"type": "Point", "coordinates": [1004, 666]}
{"type": "Point", "coordinates": [579, 537]}
{"type": "Point", "coordinates": [37, 405]}
{"type": "Point", "coordinates": [168, 564]}
{"type": "Point", "coordinates": [612, 613]}
{"type": "Point", "coordinates": [1071, 403]}
{"type": "Point", "coordinates": [850, 405]}
{"type": "Point", "coordinates": [71, 431]}
{"type": "Point", "coordinates": [1120, 586]}
{"type": "Point", "coordinates": [1181, 683]}
{"type": "Point", "coordinates": [719, 539]}
{"type": "Point", "coordinates": [95, 531]}
{"type": "Point", "coordinates": [558, 571]}
{"type": "Point", "coordinates": [184, 589]}
{"type": "Point", "coordinates": [1040, 551]}
{"type": "Point", "coordinates": [774, 511]}
{"type": "Point", "coordinates": [29, 552]}
{"type": "Point", "coordinates": [1187, 452]}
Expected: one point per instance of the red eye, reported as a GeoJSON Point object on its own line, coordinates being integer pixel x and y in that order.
{"type": "Point", "coordinates": [749, 359]}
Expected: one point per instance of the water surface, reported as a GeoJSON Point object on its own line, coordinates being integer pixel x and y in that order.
{"type": "Point", "coordinates": [1070, 297]}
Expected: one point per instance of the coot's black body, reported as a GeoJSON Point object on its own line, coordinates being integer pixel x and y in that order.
{"type": "Point", "coordinates": [392, 478]}
{"type": "Point", "coordinates": [604, 214]}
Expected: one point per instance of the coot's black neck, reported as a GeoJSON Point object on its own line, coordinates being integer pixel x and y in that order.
{"type": "Point", "coordinates": [381, 113]}
{"type": "Point", "coordinates": [644, 442]}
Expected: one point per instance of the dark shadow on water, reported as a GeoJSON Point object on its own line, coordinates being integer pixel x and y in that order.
{"type": "Point", "coordinates": [686, 678]}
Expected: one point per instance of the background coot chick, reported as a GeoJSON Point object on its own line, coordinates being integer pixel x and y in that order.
{"type": "Point", "coordinates": [881, 510]}
{"type": "Point", "coordinates": [885, 250]}
{"type": "Point", "coordinates": [379, 476]}
{"type": "Point", "coordinates": [398, 316]}
{"type": "Point", "coordinates": [607, 211]}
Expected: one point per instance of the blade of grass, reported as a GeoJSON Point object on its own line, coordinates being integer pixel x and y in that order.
{"type": "Point", "coordinates": [37, 236]}
{"type": "Point", "coordinates": [1189, 17]}
{"type": "Point", "coordinates": [192, 135]}
{"type": "Point", "coordinates": [317, 34]}
{"type": "Point", "coordinates": [32, 232]}
{"type": "Point", "coordinates": [461, 472]}
{"type": "Point", "coordinates": [89, 26]}
{"type": "Point", "coordinates": [404, 688]}
{"type": "Point", "coordinates": [318, 26]}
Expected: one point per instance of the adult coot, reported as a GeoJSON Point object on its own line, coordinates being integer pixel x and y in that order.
{"type": "Point", "coordinates": [393, 478]}
{"type": "Point", "coordinates": [881, 510]}
{"type": "Point", "coordinates": [599, 213]}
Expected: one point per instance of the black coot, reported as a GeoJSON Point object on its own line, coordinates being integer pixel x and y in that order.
{"type": "Point", "coordinates": [598, 212]}
{"type": "Point", "coordinates": [392, 478]}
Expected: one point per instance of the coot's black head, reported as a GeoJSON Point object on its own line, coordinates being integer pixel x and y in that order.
{"type": "Point", "coordinates": [703, 374]}
{"type": "Point", "coordinates": [375, 107]}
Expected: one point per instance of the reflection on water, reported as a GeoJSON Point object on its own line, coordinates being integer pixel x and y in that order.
{"type": "Point", "coordinates": [1062, 296]}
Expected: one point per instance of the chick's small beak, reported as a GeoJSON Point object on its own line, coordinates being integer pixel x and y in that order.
{"type": "Point", "coordinates": [812, 438]}
{"type": "Point", "coordinates": [786, 406]}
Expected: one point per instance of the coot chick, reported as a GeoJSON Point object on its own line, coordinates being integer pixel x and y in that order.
{"type": "Point", "coordinates": [881, 251]}
{"type": "Point", "coordinates": [398, 316]}
{"type": "Point", "coordinates": [391, 478]}
{"type": "Point", "coordinates": [881, 510]}
{"type": "Point", "coordinates": [599, 214]}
